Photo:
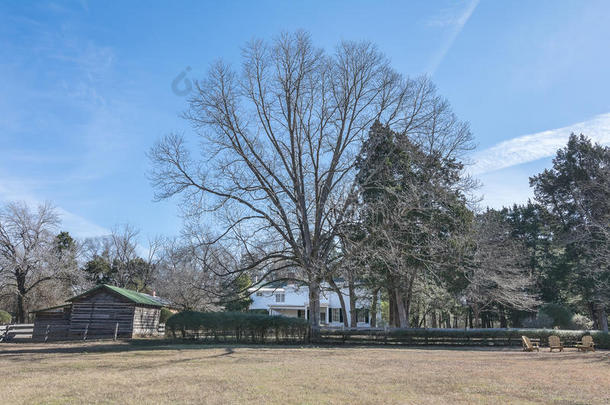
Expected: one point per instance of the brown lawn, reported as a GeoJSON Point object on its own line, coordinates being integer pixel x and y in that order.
{"type": "Point", "coordinates": [123, 373]}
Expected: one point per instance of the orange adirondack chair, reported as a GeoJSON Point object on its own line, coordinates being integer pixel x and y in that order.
{"type": "Point", "coordinates": [528, 346]}
{"type": "Point", "coordinates": [586, 344]}
{"type": "Point", "coordinates": [555, 343]}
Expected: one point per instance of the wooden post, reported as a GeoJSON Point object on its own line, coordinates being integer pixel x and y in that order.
{"type": "Point", "coordinates": [116, 330]}
{"type": "Point", "coordinates": [86, 330]}
{"type": "Point", "coordinates": [46, 334]}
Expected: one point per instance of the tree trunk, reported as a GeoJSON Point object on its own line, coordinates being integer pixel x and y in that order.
{"type": "Point", "coordinates": [416, 318]}
{"type": "Point", "coordinates": [21, 293]}
{"type": "Point", "coordinates": [433, 319]}
{"type": "Point", "coordinates": [408, 311]}
{"type": "Point", "coordinates": [20, 308]}
{"type": "Point", "coordinates": [373, 319]}
{"type": "Point", "coordinates": [353, 313]}
{"type": "Point", "coordinates": [337, 290]}
{"type": "Point", "coordinates": [475, 317]}
{"type": "Point", "coordinates": [601, 317]}
{"type": "Point", "coordinates": [403, 318]}
{"type": "Point", "coordinates": [314, 310]}
{"type": "Point", "coordinates": [503, 321]}
{"type": "Point", "coordinates": [391, 312]}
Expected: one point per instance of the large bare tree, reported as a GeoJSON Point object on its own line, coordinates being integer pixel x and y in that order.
{"type": "Point", "coordinates": [31, 255]}
{"type": "Point", "coordinates": [499, 273]}
{"type": "Point", "coordinates": [278, 141]}
{"type": "Point", "coordinates": [191, 275]}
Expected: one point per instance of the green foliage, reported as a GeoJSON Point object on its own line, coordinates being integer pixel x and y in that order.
{"type": "Point", "coordinates": [576, 194]}
{"type": "Point", "coordinates": [560, 315]}
{"type": "Point", "coordinates": [259, 311]}
{"type": "Point", "coordinates": [165, 315]}
{"type": "Point", "coordinates": [530, 224]}
{"type": "Point", "coordinates": [5, 317]}
{"type": "Point", "coordinates": [101, 271]}
{"type": "Point", "coordinates": [239, 299]}
{"type": "Point", "coordinates": [64, 242]}
{"type": "Point", "coordinates": [236, 327]}
{"type": "Point", "coordinates": [542, 320]}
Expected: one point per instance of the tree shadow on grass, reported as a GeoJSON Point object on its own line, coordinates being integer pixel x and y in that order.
{"type": "Point", "coordinates": [15, 350]}
{"type": "Point", "coordinates": [120, 346]}
{"type": "Point", "coordinates": [569, 355]}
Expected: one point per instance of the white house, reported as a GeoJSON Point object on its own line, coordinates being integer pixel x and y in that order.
{"type": "Point", "coordinates": [293, 301]}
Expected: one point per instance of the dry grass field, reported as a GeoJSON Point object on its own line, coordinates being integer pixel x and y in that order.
{"type": "Point", "coordinates": [124, 373]}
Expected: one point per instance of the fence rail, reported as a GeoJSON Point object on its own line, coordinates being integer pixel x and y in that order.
{"type": "Point", "coordinates": [454, 337]}
{"type": "Point", "coordinates": [51, 332]}
{"type": "Point", "coordinates": [16, 332]}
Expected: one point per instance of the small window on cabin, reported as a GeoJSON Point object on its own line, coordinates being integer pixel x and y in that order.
{"type": "Point", "coordinates": [259, 294]}
{"type": "Point", "coordinates": [335, 315]}
{"type": "Point", "coordinates": [280, 297]}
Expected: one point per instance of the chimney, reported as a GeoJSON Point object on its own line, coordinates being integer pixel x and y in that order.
{"type": "Point", "coordinates": [154, 294]}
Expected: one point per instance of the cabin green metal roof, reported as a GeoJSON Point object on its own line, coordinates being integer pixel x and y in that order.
{"type": "Point", "coordinates": [131, 295]}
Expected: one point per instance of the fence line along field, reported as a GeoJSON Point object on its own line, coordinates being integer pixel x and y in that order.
{"type": "Point", "coordinates": [148, 372]}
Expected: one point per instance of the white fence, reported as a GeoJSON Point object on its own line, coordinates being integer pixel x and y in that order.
{"type": "Point", "coordinates": [16, 332]}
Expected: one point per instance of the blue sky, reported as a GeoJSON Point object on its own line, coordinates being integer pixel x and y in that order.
{"type": "Point", "coordinates": [86, 87]}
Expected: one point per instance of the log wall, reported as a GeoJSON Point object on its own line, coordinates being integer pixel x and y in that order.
{"type": "Point", "coordinates": [52, 325]}
{"type": "Point", "coordinates": [146, 321]}
{"type": "Point", "coordinates": [98, 315]}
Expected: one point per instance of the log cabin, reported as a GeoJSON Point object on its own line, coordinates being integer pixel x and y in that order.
{"type": "Point", "coordinates": [104, 311]}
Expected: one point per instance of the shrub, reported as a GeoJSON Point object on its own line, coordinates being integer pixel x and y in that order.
{"type": "Point", "coordinates": [541, 321]}
{"type": "Point", "coordinates": [165, 315]}
{"type": "Point", "coordinates": [258, 311]}
{"type": "Point", "coordinates": [5, 317]}
{"type": "Point", "coordinates": [581, 322]}
{"type": "Point", "coordinates": [560, 315]}
{"type": "Point", "coordinates": [236, 327]}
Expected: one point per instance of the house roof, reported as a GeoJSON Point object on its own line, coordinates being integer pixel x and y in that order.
{"type": "Point", "coordinates": [133, 296]}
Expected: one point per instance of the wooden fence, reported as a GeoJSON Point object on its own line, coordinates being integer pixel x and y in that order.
{"type": "Point", "coordinates": [50, 332]}
{"type": "Point", "coordinates": [16, 332]}
{"type": "Point", "coordinates": [452, 337]}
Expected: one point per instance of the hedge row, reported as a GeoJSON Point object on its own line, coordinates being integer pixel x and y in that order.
{"type": "Point", "coordinates": [236, 327]}
{"type": "Point", "coordinates": [460, 336]}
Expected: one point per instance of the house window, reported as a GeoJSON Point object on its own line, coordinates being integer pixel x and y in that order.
{"type": "Point", "coordinates": [335, 315]}
{"type": "Point", "coordinates": [259, 294]}
{"type": "Point", "coordinates": [280, 297]}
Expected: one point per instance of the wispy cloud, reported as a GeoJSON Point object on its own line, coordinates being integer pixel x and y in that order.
{"type": "Point", "coordinates": [71, 222]}
{"type": "Point", "coordinates": [528, 148]}
{"type": "Point", "coordinates": [453, 18]}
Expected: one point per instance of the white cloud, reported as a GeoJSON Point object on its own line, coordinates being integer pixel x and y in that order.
{"type": "Point", "coordinates": [454, 18]}
{"type": "Point", "coordinates": [528, 148]}
{"type": "Point", "coordinates": [75, 224]}
{"type": "Point", "coordinates": [79, 226]}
